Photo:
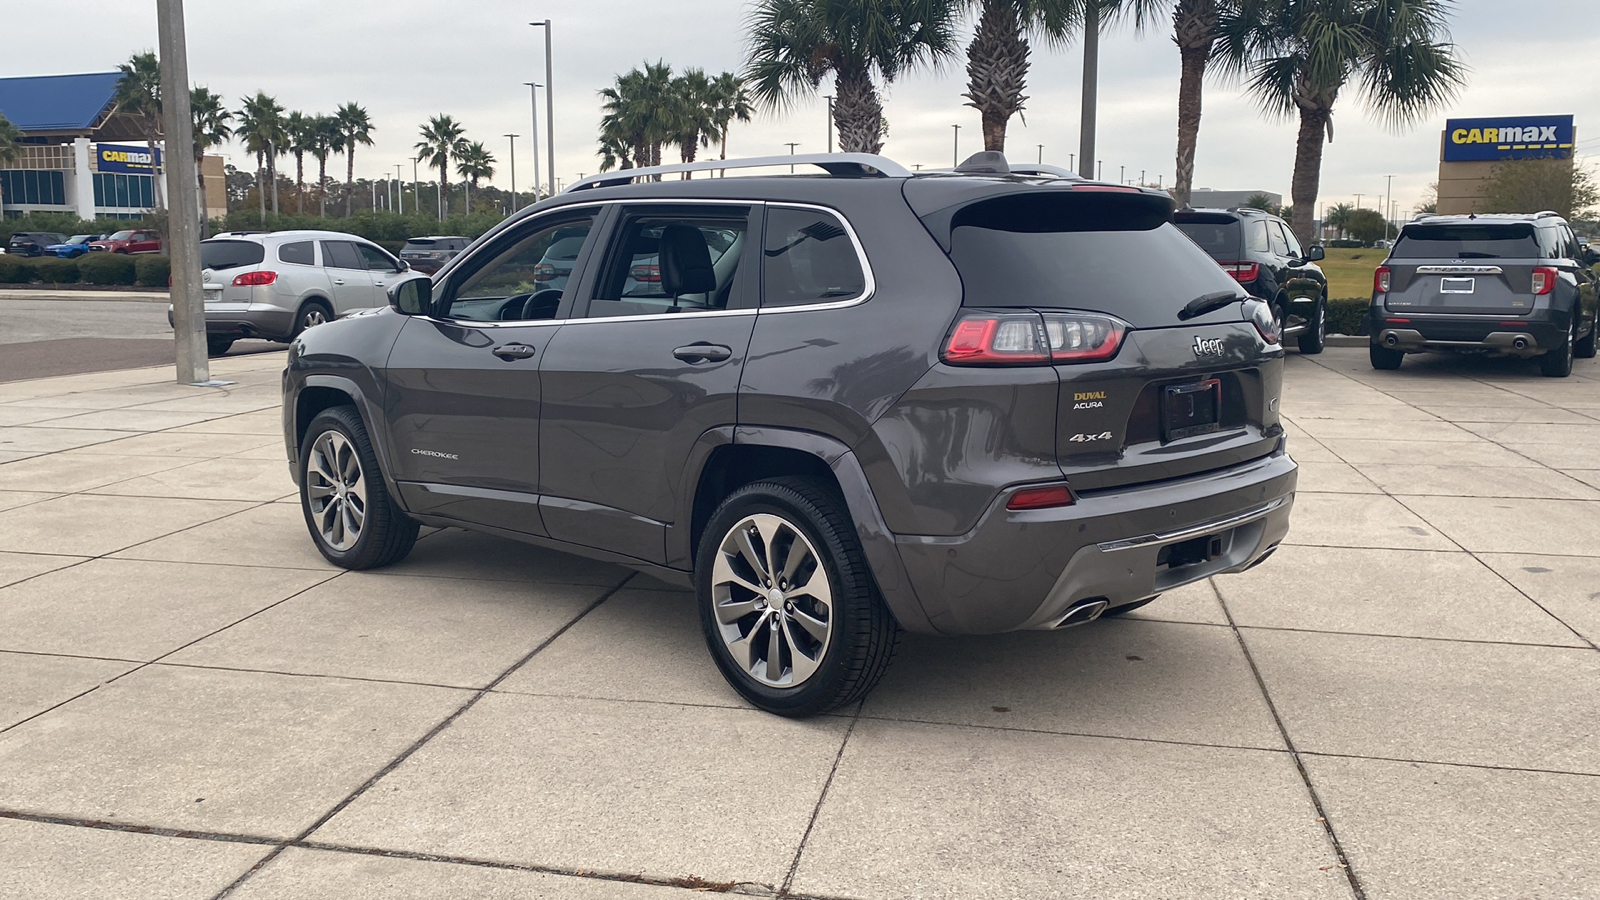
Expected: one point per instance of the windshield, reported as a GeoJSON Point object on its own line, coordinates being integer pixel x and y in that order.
{"type": "Point", "coordinates": [79, 239]}
{"type": "Point", "coordinates": [230, 254]}
{"type": "Point", "coordinates": [1475, 241]}
{"type": "Point", "coordinates": [120, 236]}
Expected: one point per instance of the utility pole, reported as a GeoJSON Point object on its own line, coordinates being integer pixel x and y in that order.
{"type": "Point", "coordinates": [513, 171]}
{"type": "Point", "coordinates": [791, 145]}
{"type": "Point", "coordinates": [549, 102]}
{"type": "Point", "coordinates": [1091, 70]}
{"type": "Point", "coordinates": [533, 89]}
{"type": "Point", "coordinates": [1388, 205]}
{"type": "Point", "coordinates": [955, 151]}
{"type": "Point", "coordinates": [828, 98]}
{"type": "Point", "coordinates": [400, 189]}
{"type": "Point", "coordinates": [183, 196]}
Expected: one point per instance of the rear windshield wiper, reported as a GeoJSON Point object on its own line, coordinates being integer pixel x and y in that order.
{"type": "Point", "coordinates": [1205, 303]}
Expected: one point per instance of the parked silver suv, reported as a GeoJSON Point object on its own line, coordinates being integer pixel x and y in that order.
{"type": "Point", "coordinates": [276, 285]}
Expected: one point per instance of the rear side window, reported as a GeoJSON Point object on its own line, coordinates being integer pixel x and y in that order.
{"type": "Point", "coordinates": [219, 255]}
{"type": "Point", "coordinates": [1099, 252]}
{"type": "Point", "coordinates": [1476, 241]}
{"type": "Point", "coordinates": [1552, 243]}
{"type": "Point", "coordinates": [300, 253]}
{"type": "Point", "coordinates": [808, 257]}
{"type": "Point", "coordinates": [1217, 235]}
{"type": "Point", "coordinates": [341, 255]}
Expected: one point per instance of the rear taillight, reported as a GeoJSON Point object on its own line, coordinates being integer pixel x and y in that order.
{"type": "Point", "coordinates": [1242, 272]}
{"type": "Point", "coordinates": [1260, 315]}
{"type": "Point", "coordinates": [254, 279]}
{"type": "Point", "coordinates": [1544, 281]}
{"type": "Point", "coordinates": [1042, 497]}
{"type": "Point", "coordinates": [1380, 280]}
{"type": "Point", "coordinates": [648, 273]}
{"type": "Point", "coordinates": [544, 272]}
{"type": "Point", "coordinates": [1023, 339]}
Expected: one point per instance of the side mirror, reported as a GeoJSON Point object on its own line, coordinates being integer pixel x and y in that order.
{"type": "Point", "coordinates": [413, 297]}
{"type": "Point", "coordinates": [1316, 253]}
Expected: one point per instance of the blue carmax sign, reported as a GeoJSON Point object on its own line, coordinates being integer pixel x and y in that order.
{"type": "Point", "coordinates": [1514, 137]}
{"type": "Point", "coordinates": [126, 158]}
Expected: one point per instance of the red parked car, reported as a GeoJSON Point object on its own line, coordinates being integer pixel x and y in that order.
{"type": "Point", "coordinates": [129, 242]}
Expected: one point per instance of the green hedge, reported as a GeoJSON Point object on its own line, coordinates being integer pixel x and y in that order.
{"type": "Point", "coordinates": [1348, 315]}
{"type": "Point", "coordinates": [107, 268]}
{"type": "Point", "coordinates": [151, 270]}
{"type": "Point", "coordinates": [53, 270]}
{"type": "Point", "coordinates": [15, 269]}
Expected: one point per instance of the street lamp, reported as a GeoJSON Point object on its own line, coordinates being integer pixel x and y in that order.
{"type": "Point", "coordinates": [513, 158]}
{"type": "Point", "coordinates": [955, 150]}
{"type": "Point", "coordinates": [549, 102]}
{"type": "Point", "coordinates": [1041, 154]}
{"type": "Point", "coordinates": [533, 89]}
{"type": "Point", "coordinates": [791, 145]}
{"type": "Point", "coordinates": [399, 189]}
{"type": "Point", "coordinates": [829, 98]}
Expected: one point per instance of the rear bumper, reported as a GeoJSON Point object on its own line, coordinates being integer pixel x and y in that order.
{"type": "Point", "coordinates": [1027, 570]}
{"type": "Point", "coordinates": [248, 320]}
{"type": "Point", "coordinates": [1531, 335]}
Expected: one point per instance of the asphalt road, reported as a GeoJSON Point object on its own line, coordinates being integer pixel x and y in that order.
{"type": "Point", "coordinates": [41, 338]}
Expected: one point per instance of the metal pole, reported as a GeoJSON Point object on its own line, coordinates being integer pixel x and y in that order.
{"type": "Point", "coordinates": [416, 187]}
{"type": "Point", "coordinates": [1091, 69]}
{"type": "Point", "coordinates": [513, 170]}
{"type": "Point", "coordinates": [1041, 154]}
{"type": "Point", "coordinates": [374, 196]}
{"type": "Point", "coordinates": [791, 145]}
{"type": "Point", "coordinates": [533, 89]}
{"type": "Point", "coordinates": [1100, 170]}
{"type": "Point", "coordinates": [1358, 200]}
{"type": "Point", "coordinates": [955, 149]}
{"type": "Point", "coordinates": [829, 98]}
{"type": "Point", "coordinates": [400, 189]}
{"type": "Point", "coordinates": [549, 102]}
{"type": "Point", "coordinates": [183, 199]}
{"type": "Point", "coordinates": [1072, 161]}
{"type": "Point", "coordinates": [1388, 205]}
{"type": "Point", "coordinates": [1122, 174]}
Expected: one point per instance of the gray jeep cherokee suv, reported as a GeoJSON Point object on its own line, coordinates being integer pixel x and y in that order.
{"type": "Point", "coordinates": [959, 403]}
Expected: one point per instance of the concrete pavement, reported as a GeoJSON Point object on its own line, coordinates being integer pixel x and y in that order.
{"type": "Point", "coordinates": [1401, 704]}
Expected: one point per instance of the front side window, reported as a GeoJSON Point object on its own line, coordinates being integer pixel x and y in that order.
{"type": "Point", "coordinates": [1280, 244]}
{"type": "Point", "coordinates": [299, 253]}
{"type": "Point", "coordinates": [808, 257]}
{"type": "Point", "coordinates": [1294, 245]}
{"type": "Point", "coordinates": [684, 260]}
{"type": "Point", "coordinates": [526, 275]}
{"type": "Point", "coordinates": [377, 260]}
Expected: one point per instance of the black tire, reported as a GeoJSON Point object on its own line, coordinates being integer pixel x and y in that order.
{"type": "Point", "coordinates": [312, 313]}
{"type": "Point", "coordinates": [1315, 337]}
{"type": "Point", "coordinates": [385, 534]}
{"type": "Point", "coordinates": [218, 346]}
{"type": "Point", "coordinates": [1557, 361]}
{"type": "Point", "coordinates": [1585, 348]}
{"type": "Point", "coordinates": [1384, 358]}
{"type": "Point", "coordinates": [1126, 608]}
{"type": "Point", "coordinates": [862, 636]}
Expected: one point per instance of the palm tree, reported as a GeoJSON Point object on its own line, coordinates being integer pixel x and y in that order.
{"type": "Point", "coordinates": [441, 139]}
{"type": "Point", "coordinates": [139, 94]}
{"type": "Point", "coordinates": [642, 109]}
{"type": "Point", "coordinates": [474, 161]}
{"type": "Point", "coordinates": [326, 140]}
{"type": "Point", "coordinates": [1338, 217]}
{"type": "Point", "coordinates": [997, 58]}
{"type": "Point", "coordinates": [1297, 55]}
{"type": "Point", "coordinates": [210, 130]}
{"type": "Point", "coordinates": [355, 127]}
{"type": "Point", "coordinates": [730, 103]}
{"type": "Point", "coordinates": [693, 114]}
{"type": "Point", "coordinates": [615, 152]}
{"type": "Point", "coordinates": [261, 130]}
{"type": "Point", "coordinates": [794, 44]}
{"type": "Point", "coordinates": [10, 140]}
{"type": "Point", "coordinates": [301, 132]}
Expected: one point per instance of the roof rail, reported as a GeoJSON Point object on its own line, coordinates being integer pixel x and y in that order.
{"type": "Point", "coordinates": [838, 165]}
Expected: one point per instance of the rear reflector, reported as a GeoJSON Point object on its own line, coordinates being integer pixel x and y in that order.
{"type": "Point", "coordinates": [1030, 338]}
{"type": "Point", "coordinates": [1544, 281]}
{"type": "Point", "coordinates": [255, 279]}
{"type": "Point", "coordinates": [1397, 321]}
{"type": "Point", "coordinates": [1380, 279]}
{"type": "Point", "coordinates": [1041, 497]}
{"type": "Point", "coordinates": [1242, 272]}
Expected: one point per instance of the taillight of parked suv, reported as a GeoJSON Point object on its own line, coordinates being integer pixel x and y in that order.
{"type": "Point", "coordinates": [255, 279]}
{"type": "Point", "coordinates": [1544, 280]}
{"type": "Point", "coordinates": [1381, 279]}
{"type": "Point", "coordinates": [1242, 272]}
{"type": "Point", "coordinates": [994, 338]}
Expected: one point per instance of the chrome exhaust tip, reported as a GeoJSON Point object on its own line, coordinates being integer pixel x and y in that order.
{"type": "Point", "coordinates": [1520, 344]}
{"type": "Point", "coordinates": [1391, 340]}
{"type": "Point", "coordinates": [1083, 613]}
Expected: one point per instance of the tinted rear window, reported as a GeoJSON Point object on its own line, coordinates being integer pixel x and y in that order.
{"type": "Point", "coordinates": [808, 258]}
{"type": "Point", "coordinates": [1218, 236]}
{"type": "Point", "coordinates": [1485, 241]}
{"type": "Point", "coordinates": [416, 246]}
{"type": "Point", "coordinates": [300, 253]}
{"type": "Point", "coordinates": [1102, 254]}
{"type": "Point", "coordinates": [230, 254]}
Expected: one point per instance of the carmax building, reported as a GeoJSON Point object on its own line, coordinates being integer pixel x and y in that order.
{"type": "Point", "coordinates": [81, 154]}
{"type": "Point", "coordinates": [1470, 149]}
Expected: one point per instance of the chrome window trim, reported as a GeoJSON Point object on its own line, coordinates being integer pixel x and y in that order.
{"type": "Point", "coordinates": [871, 286]}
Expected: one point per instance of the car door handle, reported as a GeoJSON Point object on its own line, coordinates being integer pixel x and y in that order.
{"type": "Point", "coordinates": [509, 352]}
{"type": "Point", "coordinates": [338, 281]}
{"type": "Point", "coordinates": [703, 353]}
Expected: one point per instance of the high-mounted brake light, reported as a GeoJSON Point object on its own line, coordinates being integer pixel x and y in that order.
{"type": "Point", "coordinates": [1380, 279]}
{"type": "Point", "coordinates": [1031, 338]}
{"type": "Point", "coordinates": [1242, 272]}
{"type": "Point", "coordinates": [1043, 497]}
{"type": "Point", "coordinates": [255, 279]}
{"type": "Point", "coordinates": [1544, 280]}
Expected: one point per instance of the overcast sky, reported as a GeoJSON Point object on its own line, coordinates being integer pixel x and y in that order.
{"type": "Point", "coordinates": [406, 59]}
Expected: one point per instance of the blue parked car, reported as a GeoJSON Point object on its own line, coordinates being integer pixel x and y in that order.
{"type": "Point", "coordinates": [75, 246]}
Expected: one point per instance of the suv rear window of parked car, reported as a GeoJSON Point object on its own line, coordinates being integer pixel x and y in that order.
{"type": "Point", "coordinates": [299, 253]}
{"type": "Point", "coordinates": [1487, 241]}
{"type": "Point", "coordinates": [230, 254]}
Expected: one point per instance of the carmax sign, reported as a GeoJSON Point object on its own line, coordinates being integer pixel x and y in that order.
{"type": "Point", "coordinates": [126, 158]}
{"type": "Point", "coordinates": [1519, 137]}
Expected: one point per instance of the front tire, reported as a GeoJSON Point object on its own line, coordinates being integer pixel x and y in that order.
{"type": "Point", "coordinates": [352, 519]}
{"type": "Point", "coordinates": [788, 605]}
{"type": "Point", "coordinates": [1384, 358]}
{"type": "Point", "coordinates": [1315, 337]}
{"type": "Point", "coordinates": [1557, 361]}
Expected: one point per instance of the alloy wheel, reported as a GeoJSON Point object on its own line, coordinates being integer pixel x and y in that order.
{"type": "Point", "coordinates": [336, 490]}
{"type": "Point", "coordinates": [772, 599]}
{"type": "Point", "coordinates": [313, 317]}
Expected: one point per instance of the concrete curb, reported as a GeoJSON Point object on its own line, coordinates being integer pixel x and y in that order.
{"type": "Point", "coordinates": [1348, 340]}
{"type": "Point", "coordinates": [115, 296]}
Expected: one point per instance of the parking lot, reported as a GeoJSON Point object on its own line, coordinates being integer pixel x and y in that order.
{"type": "Point", "coordinates": [1400, 704]}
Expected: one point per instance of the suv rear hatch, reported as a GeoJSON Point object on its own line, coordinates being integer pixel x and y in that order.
{"type": "Point", "coordinates": [1485, 268]}
{"type": "Point", "coordinates": [1168, 395]}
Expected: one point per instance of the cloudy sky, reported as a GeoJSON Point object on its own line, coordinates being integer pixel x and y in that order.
{"type": "Point", "coordinates": [406, 59]}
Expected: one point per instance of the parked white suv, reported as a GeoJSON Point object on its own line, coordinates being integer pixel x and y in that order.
{"type": "Point", "coordinates": [276, 285]}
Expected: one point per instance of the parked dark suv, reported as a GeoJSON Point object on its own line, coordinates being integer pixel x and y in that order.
{"type": "Point", "coordinates": [1260, 251]}
{"type": "Point", "coordinates": [429, 254]}
{"type": "Point", "coordinates": [960, 403]}
{"type": "Point", "coordinates": [1512, 285]}
{"type": "Point", "coordinates": [33, 243]}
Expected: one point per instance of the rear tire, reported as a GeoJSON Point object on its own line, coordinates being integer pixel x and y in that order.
{"type": "Point", "coordinates": [1585, 349]}
{"type": "Point", "coordinates": [218, 346]}
{"type": "Point", "coordinates": [1384, 358]}
{"type": "Point", "coordinates": [346, 504]}
{"type": "Point", "coordinates": [1557, 361]}
{"type": "Point", "coordinates": [1316, 334]}
{"type": "Point", "coordinates": [831, 639]}
{"type": "Point", "coordinates": [312, 314]}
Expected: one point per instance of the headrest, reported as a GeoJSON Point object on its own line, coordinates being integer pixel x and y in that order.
{"type": "Point", "coordinates": [685, 262]}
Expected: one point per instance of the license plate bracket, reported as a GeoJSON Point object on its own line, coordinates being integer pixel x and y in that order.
{"type": "Point", "coordinates": [1191, 409]}
{"type": "Point", "coordinates": [1457, 285]}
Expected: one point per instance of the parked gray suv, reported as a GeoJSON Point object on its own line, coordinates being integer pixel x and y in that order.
{"type": "Point", "coordinates": [960, 403]}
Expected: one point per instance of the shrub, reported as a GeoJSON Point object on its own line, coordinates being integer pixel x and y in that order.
{"type": "Point", "coordinates": [106, 268]}
{"type": "Point", "coordinates": [152, 270]}
{"type": "Point", "coordinates": [55, 271]}
{"type": "Point", "coordinates": [1344, 243]}
{"type": "Point", "coordinates": [15, 269]}
{"type": "Point", "coordinates": [1348, 315]}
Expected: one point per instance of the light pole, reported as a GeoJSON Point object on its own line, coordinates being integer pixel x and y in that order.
{"type": "Point", "coordinates": [1122, 174]}
{"type": "Point", "coordinates": [1091, 69]}
{"type": "Point", "coordinates": [1100, 169]}
{"type": "Point", "coordinates": [1388, 204]}
{"type": "Point", "coordinates": [416, 187]}
{"type": "Point", "coordinates": [399, 189]}
{"type": "Point", "coordinates": [549, 102]}
{"type": "Point", "coordinates": [1072, 162]}
{"type": "Point", "coordinates": [183, 199]}
{"type": "Point", "coordinates": [513, 170]}
{"type": "Point", "coordinates": [791, 145]}
{"type": "Point", "coordinates": [1358, 200]}
{"type": "Point", "coordinates": [829, 98]}
{"type": "Point", "coordinates": [955, 150]}
{"type": "Point", "coordinates": [534, 90]}
{"type": "Point", "coordinates": [1041, 154]}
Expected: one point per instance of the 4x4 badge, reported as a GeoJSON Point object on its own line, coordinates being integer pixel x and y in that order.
{"type": "Point", "coordinates": [1207, 346]}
